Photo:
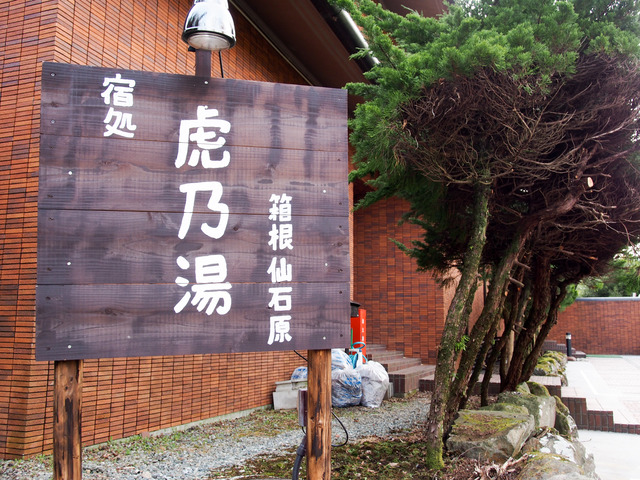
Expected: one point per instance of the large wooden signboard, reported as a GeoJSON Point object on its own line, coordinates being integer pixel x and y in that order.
{"type": "Point", "coordinates": [184, 215]}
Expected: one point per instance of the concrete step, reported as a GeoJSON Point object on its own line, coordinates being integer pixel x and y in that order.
{"type": "Point", "coordinates": [380, 353]}
{"type": "Point", "coordinates": [384, 357]}
{"type": "Point", "coordinates": [404, 372]}
{"type": "Point", "coordinates": [407, 380]}
{"type": "Point", "coordinates": [393, 365]}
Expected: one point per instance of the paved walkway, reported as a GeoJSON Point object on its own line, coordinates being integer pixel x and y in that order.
{"type": "Point", "coordinates": [616, 454]}
{"type": "Point", "coordinates": [610, 383]}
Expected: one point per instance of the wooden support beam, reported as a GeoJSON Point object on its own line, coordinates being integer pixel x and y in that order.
{"type": "Point", "coordinates": [67, 416]}
{"type": "Point", "coordinates": [319, 415]}
{"type": "Point", "coordinates": [203, 63]}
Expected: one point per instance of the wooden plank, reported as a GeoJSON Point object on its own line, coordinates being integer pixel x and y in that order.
{"type": "Point", "coordinates": [141, 247]}
{"type": "Point", "coordinates": [270, 114]}
{"type": "Point", "coordinates": [67, 420]}
{"type": "Point", "coordinates": [319, 415]}
{"type": "Point", "coordinates": [117, 253]}
{"type": "Point", "coordinates": [144, 177]}
{"type": "Point", "coordinates": [94, 321]}
{"type": "Point", "coordinates": [158, 156]}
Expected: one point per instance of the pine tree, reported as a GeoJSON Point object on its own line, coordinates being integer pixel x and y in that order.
{"type": "Point", "coordinates": [498, 121]}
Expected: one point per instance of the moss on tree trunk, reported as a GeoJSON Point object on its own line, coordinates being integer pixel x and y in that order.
{"type": "Point", "coordinates": [457, 317]}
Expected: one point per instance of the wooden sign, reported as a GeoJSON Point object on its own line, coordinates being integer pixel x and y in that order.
{"type": "Point", "coordinates": [186, 215]}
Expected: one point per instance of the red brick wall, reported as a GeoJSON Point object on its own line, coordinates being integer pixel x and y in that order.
{"type": "Point", "coordinates": [405, 309]}
{"type": "Point", "coordinates": [121, 396]}
{"type": "Point", "coordinates": [601, 326]}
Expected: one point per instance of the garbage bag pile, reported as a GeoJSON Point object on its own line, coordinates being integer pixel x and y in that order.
{"type": "Point", "coordinates": [366, 384]}
{"type": "Point", "coordinates": [375, 382]}
{"type": "Point", "coordinates": [299, 375]}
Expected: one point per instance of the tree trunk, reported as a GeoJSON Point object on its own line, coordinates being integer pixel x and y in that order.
{"type": "Point", "coordinates": [479, 365]}
{"type": "Point", "coordinates": [537, 315]}
{"type": "Point", "coordinates": [517, 314]}
{"type": "Point", "coordinates": [453, 325]}
{"type": "Point", "coordinates": [488, 316]}
{"type": "Point", "coordinates": [480, 361]}
{"type": "Point", "coordinates": [552, 317]}
{"type": "Point", "coordinates": [511, 316]}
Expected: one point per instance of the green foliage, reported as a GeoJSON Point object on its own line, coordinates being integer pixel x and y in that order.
{"type": "Point", "coordinates": [529, 37]}
{"type": "Point", "coordinates": [621, 280]}
{"type": "Point", "coordinates": [532, 40]}
{"type": "Point", "coordinates": [461, 344]}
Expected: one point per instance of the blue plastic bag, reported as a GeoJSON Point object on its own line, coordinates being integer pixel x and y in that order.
{"type": "Point", "coordinates": [346, 387]}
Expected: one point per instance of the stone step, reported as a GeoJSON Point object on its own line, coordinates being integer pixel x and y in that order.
{"type": "Point", "coordinates": [407, 380]}
{"type": "Point", "coordinates": [553, 384]}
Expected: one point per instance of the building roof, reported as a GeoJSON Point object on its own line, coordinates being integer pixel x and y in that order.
{"type": "Point", "coordinates": [314, 38]}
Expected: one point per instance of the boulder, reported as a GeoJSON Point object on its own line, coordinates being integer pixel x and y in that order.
{"type": "Point", "coordinates": [506, 407]}
{"type": "Point", "coordinates": [560, 406]}
{"type": "Point", "coordinates": [489, 435]}
{"type": "Point", "coordinates": [573, 451]}
{"type": "Point", "coordinates": [559, 357]}
{"type": "Point", "coordinates": [552, 364]}
{"type": "Point", "coordinates": [543, 409]}
{"type": "Point", "coordinates": [537, 389]}
{"type": "Point", "coordinates": [547, 466]}
{"type": "Point", "coordinates": [531, 445]}
{"type": "Point", "coordinates": [547, 367]}
{"type": "Point", "coordinates": [565, 424]}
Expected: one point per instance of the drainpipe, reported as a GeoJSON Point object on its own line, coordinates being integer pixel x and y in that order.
{"type": "Point", "coordinates": [347, 31]}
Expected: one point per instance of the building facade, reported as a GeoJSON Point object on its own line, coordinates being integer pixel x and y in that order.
{"type": "Point", "coordinates": [127, 396]}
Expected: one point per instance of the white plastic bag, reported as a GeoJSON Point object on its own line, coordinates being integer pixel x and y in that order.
{"type": "Point", "coordinates": [375, 382]}
{"type": "Point", "coordinates": [346, 387]}
{"type": "Point", "coordinates": [339, 359]}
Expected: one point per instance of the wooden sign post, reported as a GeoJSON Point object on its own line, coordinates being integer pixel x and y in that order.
{"type": "Point", "coordinates": [182, 215]}
{"type": "Point", "coordinates": [67, 418]}
{"type": "Point", "coordinates": [319, 415]}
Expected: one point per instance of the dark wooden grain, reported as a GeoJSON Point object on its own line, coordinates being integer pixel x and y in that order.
{"type": "Point", "coordinates": [94, 321]}
{"type": "Point", "coordinates": [67, 420]}
{"type": "Point", "coordinates": [110, 209]}
{"type": "Point", "coordinates": [271, 114]}
{"type": "Point", "coordinates": [80, 173]}
{"type": "Point", "coordinates": [142, 247]}
{"type": "Point", "coordinates": [319, 415]}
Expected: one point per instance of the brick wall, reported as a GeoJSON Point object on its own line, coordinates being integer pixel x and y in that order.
{"type": "Point", "coordinates": [405, 308]}
{"type": "Point", "coordinates": [121, 397]}
{"type": "Point", "coordinates": [601, 326]}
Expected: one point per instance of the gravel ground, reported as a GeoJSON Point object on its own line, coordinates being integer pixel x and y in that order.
{"type": "Point", "coordinates": [194, 453]}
